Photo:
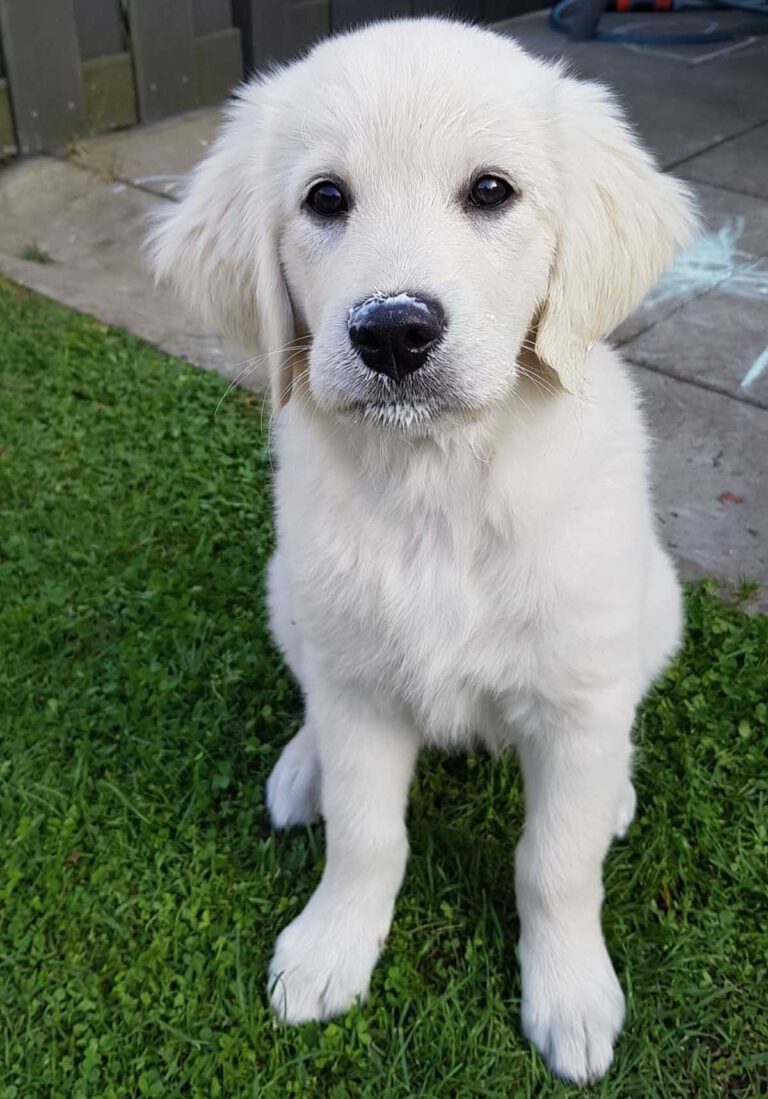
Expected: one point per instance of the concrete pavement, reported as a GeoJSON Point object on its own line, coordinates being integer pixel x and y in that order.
{"type": "Point", "coordinates": [72, 227]}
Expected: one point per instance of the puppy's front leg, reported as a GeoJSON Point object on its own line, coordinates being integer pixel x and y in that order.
{"type": "Point", "coordinates": [324, 959]}
{"type": "Point", "coordinates": [577, 787]}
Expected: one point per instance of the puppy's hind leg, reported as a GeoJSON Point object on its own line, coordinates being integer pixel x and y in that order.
{"type": "Point", "coordinates": [625, 810]}
{"type": "Point", "coordinates": [293, 787]}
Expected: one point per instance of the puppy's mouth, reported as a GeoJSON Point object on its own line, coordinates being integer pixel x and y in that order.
{"type": "Point", "coordinates": [405, 415]}
{"type": "Point", "coordinates": [426, 400]}
{"type": "Point", "coordinates": [415, 416]}
{"type": "Point", "coordinates": [410, 405]}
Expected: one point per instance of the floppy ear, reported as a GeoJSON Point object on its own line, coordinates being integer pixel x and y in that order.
{"type": "Point", "coordinates": [220, 245]}
{"type": "Point", "coordinates": [621, 223]}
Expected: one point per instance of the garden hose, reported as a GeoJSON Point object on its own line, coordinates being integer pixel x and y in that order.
{"type": "Point", "coordinates": [559, 20]}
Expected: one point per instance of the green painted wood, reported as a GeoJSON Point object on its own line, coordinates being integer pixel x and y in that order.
{"type": "Point", "coordinates": [345, 13]}
{"type": "Point", "coordinates": [463, 9]}
{"type": "Point", "coordinates": [274, 30]}
{"type": "Point", "coordinates": [261, 24]}
{"type": "Point", "coordinates": [305, 22]}
{"type": "Point", "coordinates": [211, 15]}
{"type": "Point", "coordinates": [7, 133]}
{"type": "Point", "coordinates": [110, 94]}
{"type": "Point", "coordinates": [496, 10]}
{"type": "Point", "coordinates": [99, 29]}
{"type": "Point", "coordinates": [162, 46]}
{"type": "Point", "coordinates": [219, 65]}
{"type": "Point", "coordinates": [43, 65]}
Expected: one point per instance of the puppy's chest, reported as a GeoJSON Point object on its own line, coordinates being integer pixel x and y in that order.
{"type": "Point", "coordinates": [423, 603]}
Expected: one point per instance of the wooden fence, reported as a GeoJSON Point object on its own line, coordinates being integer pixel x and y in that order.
{"type": "Point", "coordinates": [74, 67]}
{"type": "Point", "coordinates": [69, 68]}
{"type": "Point", "coordinates": [278, 28]}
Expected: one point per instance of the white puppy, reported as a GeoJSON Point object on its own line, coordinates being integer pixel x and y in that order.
{"type": "Point", "coordinates": [428, 232]}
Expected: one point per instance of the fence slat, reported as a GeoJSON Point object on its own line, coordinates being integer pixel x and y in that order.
{"type": "Point", "coordinates": [465, 9]}
{"type": "Point", "coordinates": [345, 13]}
{"type": "Point", "coordinates": [7, 135]}
{"type": "Point", "coordinates": [98, 28]}
{"type": "Point", "coordinates": [496, 10]}
{"type": "Point", "coordinates": [162, 43]}
{"type": "Point", "coordinates": [261, 26]}
{"type": "Point", "coordinates": [305, 22]}
{"type": "Point", "coordinates": [273, 31]}
{"type": "Point", "coordinates": [211, 15]}
{"type": "Point", "coordinates": [43, 62]}
{"type": "Point", "coordinates": [219, 65]}
{"type": "Point", "coordinates": [110, 95]}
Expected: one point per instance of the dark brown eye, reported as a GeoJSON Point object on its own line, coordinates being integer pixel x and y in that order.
{"type": "Point", "coordinates": [327, 199]}
{"type": "Point", "coordinates": [488, 191]}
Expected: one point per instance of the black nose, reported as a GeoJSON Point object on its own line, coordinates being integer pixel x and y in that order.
{"type": "Point", "coordinates": [393, 336]}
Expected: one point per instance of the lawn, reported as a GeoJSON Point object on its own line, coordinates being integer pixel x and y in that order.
{"type": "Point", "coordinates": [141, 709]}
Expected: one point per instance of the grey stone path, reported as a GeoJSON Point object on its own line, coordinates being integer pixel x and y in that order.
{"type": "Point", "coordinates": [699, 344]}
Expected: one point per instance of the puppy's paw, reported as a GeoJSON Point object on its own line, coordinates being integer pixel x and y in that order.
{"type": "Point", "coordinates": [572, 1010]}
{"type": "Point", "coordinates": [323, 963]}
{"type": "Point", "coordinates": [625, 811]}
{"type": "Point", "coordinates": [293, 788]}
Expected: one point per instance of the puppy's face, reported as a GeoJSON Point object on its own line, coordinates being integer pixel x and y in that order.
{"type": "Point", "coordinates": [418, 200]}
{"type": "Point", "coordinates": [416, 244]}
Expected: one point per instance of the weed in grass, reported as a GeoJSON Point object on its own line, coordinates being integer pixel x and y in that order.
{"type": "Point", "coordinates": [32, 254]}
{"type": "Point", "coordinates": [141, 709]}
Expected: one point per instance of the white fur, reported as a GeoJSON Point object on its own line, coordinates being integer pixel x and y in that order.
{"type": "Point", "coordinates": [470, 553]}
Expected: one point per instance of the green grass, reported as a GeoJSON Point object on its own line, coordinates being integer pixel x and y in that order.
{"type": "Point", "coordinates": [141, 708]}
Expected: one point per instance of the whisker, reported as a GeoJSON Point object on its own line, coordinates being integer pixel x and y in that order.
{"type": "Point", "coordinates": [541, 383]}
{"type": "Point", "coordinates": [254, 363]}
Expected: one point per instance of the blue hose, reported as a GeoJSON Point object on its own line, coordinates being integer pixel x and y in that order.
{"type": "Point", "coordinates": [646, 38]}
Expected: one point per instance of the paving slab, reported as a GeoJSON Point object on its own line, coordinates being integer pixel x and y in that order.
{"type": "Point", "coordinates": [74, 237]}
{"type": "Point", "coordinates": [709, 463]}
{"type": "Point", "coordinates": [719, 340]}
{"type": "Point", "coordinates": [734, 237]}
{"type": "Point", "coordinates": [680, 107]}
{"type": "Point", "coordinates": [740, 164]}
{"type": "Point", "coordinates": [155, 157]}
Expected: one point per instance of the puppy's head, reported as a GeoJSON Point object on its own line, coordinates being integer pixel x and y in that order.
{"type": "Point", "coordinates": [413, 203]}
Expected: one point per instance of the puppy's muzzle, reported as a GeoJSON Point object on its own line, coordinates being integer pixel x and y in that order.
{"type": "Point", "coordinates": [394, 335]}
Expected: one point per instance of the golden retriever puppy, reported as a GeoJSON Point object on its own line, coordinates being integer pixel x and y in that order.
{"type": "Point", "coordinates": [427, 233]}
